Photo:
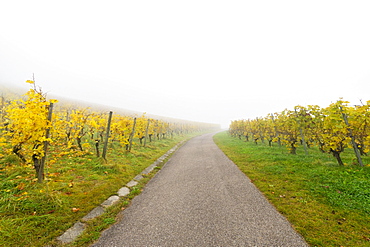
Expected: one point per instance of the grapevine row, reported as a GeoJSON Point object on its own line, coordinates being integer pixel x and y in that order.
{"type": "Point", "coordinates": [30, 125]}
{"type": "Point", "coordinates": [331, 129]}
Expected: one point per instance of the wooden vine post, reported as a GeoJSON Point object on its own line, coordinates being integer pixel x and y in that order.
{"type": "Point", "coordinates": [146, 132]}
{"type": "Point", "coordinates": [132, 135]}
{"type": "Point", "coordinates": [107, 136]}
{"type": "Point", "coordinates": [39, 163]}
{"type": "Point", "coordinates": [354, 145]}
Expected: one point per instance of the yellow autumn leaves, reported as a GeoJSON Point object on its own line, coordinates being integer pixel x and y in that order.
{"type": "Point", "coordinates": [72, 129]}
{"type": "Point", "coordinates": [324, 127]}
{"type": "Point", "coordinates": [27, 123]}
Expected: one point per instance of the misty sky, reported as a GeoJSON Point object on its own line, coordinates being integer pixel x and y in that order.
{"type": "Point", "coordinates": [208, 61]}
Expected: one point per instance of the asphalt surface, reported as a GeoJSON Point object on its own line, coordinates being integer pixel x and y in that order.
{"type": "Point", "coordinates": [200, 198]}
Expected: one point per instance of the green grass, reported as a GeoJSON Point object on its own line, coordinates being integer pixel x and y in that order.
{"type": "Point", "coordinates": [33, 214]}
{"type": "Point", "coordinates": [327, 204]}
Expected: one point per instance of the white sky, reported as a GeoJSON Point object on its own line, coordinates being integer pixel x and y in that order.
{"type": "Point", "coordinates": [209, 61]}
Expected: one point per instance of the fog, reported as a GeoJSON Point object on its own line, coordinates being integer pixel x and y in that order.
{"type": "Point", "coordinates": [207, 61]}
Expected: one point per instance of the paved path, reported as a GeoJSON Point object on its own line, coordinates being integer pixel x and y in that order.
{"type": "Point", "coordinates": [200, 198]}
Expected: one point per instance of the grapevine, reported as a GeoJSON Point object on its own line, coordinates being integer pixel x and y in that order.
{"type": "Point", "coordinates": [28, 126]}
{"type": "Point", "coordinates": [332, 129]}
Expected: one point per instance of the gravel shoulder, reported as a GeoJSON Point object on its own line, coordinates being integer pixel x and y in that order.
{"type": "Point", "coordinates": [200, 198]}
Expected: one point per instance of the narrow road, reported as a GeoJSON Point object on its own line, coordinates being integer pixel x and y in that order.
{"type": "Point", "coordinates": [200, 198]}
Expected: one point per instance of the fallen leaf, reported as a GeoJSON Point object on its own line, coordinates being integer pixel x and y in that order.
{"type": "Point", "coordinates": [21, 186]}
{"type": "Point", "coordinates": [53, 174]}
{"type": "Point", "coordinates": [74, 210]}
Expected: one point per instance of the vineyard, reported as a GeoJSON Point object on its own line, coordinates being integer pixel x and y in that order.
{"type": "Point", "coordinates": [312, 164]}
{"type": "Point", "coordinates": [331, 129]}
{"type": "Point", "coordinates": [32, 124]}
{"type": "Point", "coordinates": [59, 161]}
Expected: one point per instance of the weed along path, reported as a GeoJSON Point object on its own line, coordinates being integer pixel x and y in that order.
{"type": "Point", "coordinates": [200, 198]}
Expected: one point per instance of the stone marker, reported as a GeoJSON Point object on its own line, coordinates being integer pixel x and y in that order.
{"type": "Point", "coordinates": [132, 183]}
{"type": "Point", "coordinates": [138, 177]}
{"type": "Point", "coordinates": [72, 233]}
{"type": "Point", "coordinates": [110, 201]}
{"type": "Point", "coordinates": [124, 191]}
{"type": "Point", "coordinates": [94, 213]}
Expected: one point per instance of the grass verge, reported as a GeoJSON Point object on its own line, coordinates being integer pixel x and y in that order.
{"type": "Point", "coordinates": [35, 214]}
{"type": "Point", "coordinates": [327, 204]}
